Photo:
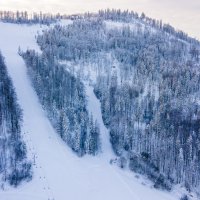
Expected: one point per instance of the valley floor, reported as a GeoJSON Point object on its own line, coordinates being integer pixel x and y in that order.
{"type": "Point", "coordinates": [58, 174]}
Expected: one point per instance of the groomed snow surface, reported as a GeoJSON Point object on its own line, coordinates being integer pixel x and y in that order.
{"type": "Point", "coordinates": [58, 174]}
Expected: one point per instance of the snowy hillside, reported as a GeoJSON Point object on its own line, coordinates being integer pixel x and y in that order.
{"type": "Point", "coordinates": [58, 172]}
{"type": "Point", "coordinates": [110, 107]}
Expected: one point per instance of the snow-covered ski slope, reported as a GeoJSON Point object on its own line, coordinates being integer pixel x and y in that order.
{"type": "Point", "coordinates": [57, 172]}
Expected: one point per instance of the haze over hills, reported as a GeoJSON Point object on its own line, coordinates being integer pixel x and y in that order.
{"type": "Point", "coordinates": [110, 102]}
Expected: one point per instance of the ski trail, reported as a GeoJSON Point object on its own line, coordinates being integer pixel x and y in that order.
{"type": "Point", "coordinates": [36, 167]}
{"type": "Point", "coordinates": [94, 107]}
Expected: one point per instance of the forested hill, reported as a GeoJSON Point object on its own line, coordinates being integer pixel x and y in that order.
{"type": "Point", "coordinates": [147, 77]}
{"type": "Point", "coordinates": [113, 77]}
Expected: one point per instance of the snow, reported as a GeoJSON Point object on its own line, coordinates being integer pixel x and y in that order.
{"type": "Point", "coordinates": [58, 173]}
{"type": "Point", "coordinates": [94, 107]}
{"type": "Point", "coordinates": [133, 26]}
{"type": "Point", "coordinates": [119, 25]}
{"type": "Point", "coordinates": [65, 22]}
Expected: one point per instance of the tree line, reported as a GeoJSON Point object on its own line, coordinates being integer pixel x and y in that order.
{"type": "Point", "coordinates": [14, 165]}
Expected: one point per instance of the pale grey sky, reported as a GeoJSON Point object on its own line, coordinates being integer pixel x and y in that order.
{"type": "Point", "coordinates": [183, 14]}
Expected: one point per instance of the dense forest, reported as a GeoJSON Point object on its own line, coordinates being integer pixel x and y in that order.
{"type": "Point", "coordinates": [14, 166]}
{"type": "Point", "coordinates": [147, 78]}
{"type": "Point", "coordinates": [63, 97]}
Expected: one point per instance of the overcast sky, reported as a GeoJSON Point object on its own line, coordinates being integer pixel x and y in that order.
{"type": "Point", "coordinates": [183, 14]}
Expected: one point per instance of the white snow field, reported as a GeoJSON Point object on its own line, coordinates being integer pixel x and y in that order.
{"type": "Point", "coordinates": [58, 174]}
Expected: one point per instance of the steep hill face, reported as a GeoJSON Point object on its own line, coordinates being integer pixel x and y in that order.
{"type": "Point", "coordinates": [146, 76]}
